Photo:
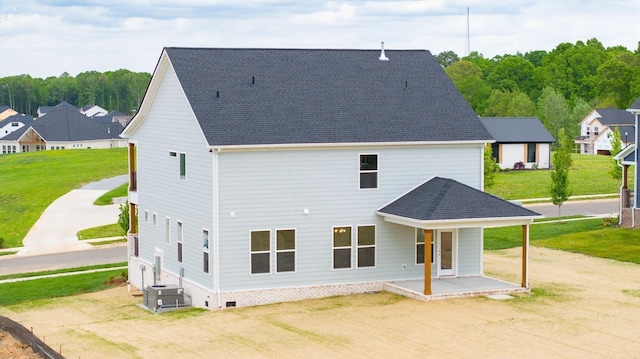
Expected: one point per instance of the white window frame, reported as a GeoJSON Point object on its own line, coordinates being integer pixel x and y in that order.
{"type": "Point", "coordinates": [206, 244]}
{"type": "Point", "coordinates": [180, 241]}
{"type": "Point", "coordinates": [433, 247]}
{"type": "Point", "coordinates": [376, 171]}
{"type": "Point", "coordinates": [251, 253]}
{"type": "Point", "coordinates": [278, 251]}
{"type": "Point", "coordinates": [167, 229]}
{"type": "Point", "coordinates": [374, 245]}
{"type": "Point", "coordinates": [154, 218]}
{"type": "Point", "coordinates": [333, 248]}
{"type": "Point", "coordinates": [146, 216]}
{"type": "Point", "coordinates": [182, 158]}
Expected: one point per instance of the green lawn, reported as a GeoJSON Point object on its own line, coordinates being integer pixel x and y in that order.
{"type": "Point", "coordinates": [588, 175]}
{"type": "Point", "coordinates": [32, 181]}
{"type": "Point", "coordinates": [55, 287]}
{"type": "Point", "coordinates": [107, 198]}
{"type": "Point", "coordinates": [109, 230]}
{"type": "Point", "coordinates": [587, 236]}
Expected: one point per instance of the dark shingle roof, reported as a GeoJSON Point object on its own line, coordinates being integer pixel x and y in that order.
{"type": "Point", "coordinates": [630, 133]}
{"type": "Point", "coordinates": [635, 105]}
{"type": "Point", "coordinates": [46, 109]}
{"type": "Point", "coordinates": [68, 124]}
{"type": "Point", "coordinates": [284, 96]}
{"type": "Point", "coordinates": [26, 119]}
{"type": "Point", "coordinates": [108, 117]}
{"type": "Point", "coordinates": [4, 108]}
{"type": "Point", "coordinates": [517, 129]}
{"type": "Point", "coordinates": [614, 116]}
{"type": "Point", "coordinates": [446, 199]}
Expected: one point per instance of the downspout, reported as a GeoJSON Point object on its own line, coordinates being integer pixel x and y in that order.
{"type": "Point", "coordinates": [216, 224]}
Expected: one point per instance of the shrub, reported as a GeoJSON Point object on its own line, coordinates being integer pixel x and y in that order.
{"type": "Point", "coordinates": [518, 166]}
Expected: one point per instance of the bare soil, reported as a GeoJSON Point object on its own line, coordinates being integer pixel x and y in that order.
{"type": "Point", "coordinates": [12, 348]}
{"type": "Point", "coordinates": [580, 307]}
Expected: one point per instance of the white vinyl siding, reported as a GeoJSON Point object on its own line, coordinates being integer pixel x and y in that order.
{"type": "Point", "coordinates": [315, 193]}
{"type": "Point", "coordinates": [171, 127]}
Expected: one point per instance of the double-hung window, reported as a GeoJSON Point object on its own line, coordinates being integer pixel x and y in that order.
{"type": "Point", "coordinates": [179, 242]}
{"type": "Point", "coordinates": [366, 246]}
{"type": "Point", "coordinates": [368, 171]}
{"type": "Point", "coordinates": [205, 251]}
{"type": "Point", "coordinates": [420, 245]}
{"type": "Point", "coordinates": [285, 250]}
{"type": "Point", "coordinates": [341, 247]}
{"type": "Point", "coordinates": [260, 252]}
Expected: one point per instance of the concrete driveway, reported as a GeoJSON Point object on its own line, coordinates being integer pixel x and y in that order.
{"type": "Point", "coordinates": [56, 230]}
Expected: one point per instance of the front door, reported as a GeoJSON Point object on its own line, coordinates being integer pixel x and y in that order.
{"type": "Point", "coordinates": [446, 253]}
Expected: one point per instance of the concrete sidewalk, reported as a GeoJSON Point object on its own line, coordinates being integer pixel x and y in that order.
{"type": "Point", "coordinates": [56, 230]}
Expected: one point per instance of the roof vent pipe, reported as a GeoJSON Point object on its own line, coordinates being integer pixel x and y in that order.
{"type": "Point", "coordinates": [382, 56]}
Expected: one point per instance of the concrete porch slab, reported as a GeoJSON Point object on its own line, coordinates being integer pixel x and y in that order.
{"type": "Point", "coordinates": [443, 288]}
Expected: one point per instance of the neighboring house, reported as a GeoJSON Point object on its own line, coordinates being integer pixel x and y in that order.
{"type": "Point", "coordinates": [597, 127]}
{"type": "Point", "coordinates": [6, 111]}
{"type": "Point", "coordinates": [266, 175]}
{"type": "Point", "coordinates": [629, 201]}
{"type": "Point", "coordinates": [63, 127]}
{"type": "Point", "coordinates": [93, 111]}
{"type": "Point", "coordinates": [114, 116]}
{"type": "Point", "coordinates": [519, 139]}
{"type": "Point", "coordinates": [14, 123]}
{"type": "Point", "coordinates": [43, 110]}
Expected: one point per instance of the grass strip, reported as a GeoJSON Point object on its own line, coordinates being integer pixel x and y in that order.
{"type": "Point", "coordinates": [107, 198]}
{"type": "Point", "coordinates": [46, 288]}
{"type": "Point", "coordinates": [106, 231]}
{"type": "Point", "coordinates": [58, 271]}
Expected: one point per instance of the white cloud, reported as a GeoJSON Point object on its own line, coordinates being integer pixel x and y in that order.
{"type": "Point", "coordinates": [48, 37]}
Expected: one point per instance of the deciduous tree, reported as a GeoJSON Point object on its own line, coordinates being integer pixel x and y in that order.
{"type": "Point", "coordinates": [562, 162]}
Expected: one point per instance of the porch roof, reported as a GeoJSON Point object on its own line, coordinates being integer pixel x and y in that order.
{"type": "Point", "coordinates": [446, 203]}
{"type": "Point", "coordinates": [627, 156]}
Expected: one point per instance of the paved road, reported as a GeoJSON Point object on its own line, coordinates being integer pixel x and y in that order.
{"type": "Point", "coordinates": [592, 207]}
{"type": "Point", "coordinates": [94, 256]}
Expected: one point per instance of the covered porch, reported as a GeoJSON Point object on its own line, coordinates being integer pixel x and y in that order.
{"type": "Point", "coordinates": [442, 204]}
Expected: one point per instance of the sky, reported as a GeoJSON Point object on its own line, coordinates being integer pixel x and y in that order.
{"type": "Point", "coordinates": [45, 38]}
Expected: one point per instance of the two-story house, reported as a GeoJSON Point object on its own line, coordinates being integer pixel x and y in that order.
{"type": "Point", "coordinates": [629, 200]}
{"type": "Point", "coordinates": [267, 175]}
{"type": "Point", "coordinates": [597, 128]}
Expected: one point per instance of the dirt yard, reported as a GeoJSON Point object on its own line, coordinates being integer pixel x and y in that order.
{"type": "Point", "coordinates": [580, 307]}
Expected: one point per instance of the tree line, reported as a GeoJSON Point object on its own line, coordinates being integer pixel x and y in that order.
{"type": "Point", "coordinates": [120, 90]}
{"type": "Point", "coordinates": [560, 86]}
